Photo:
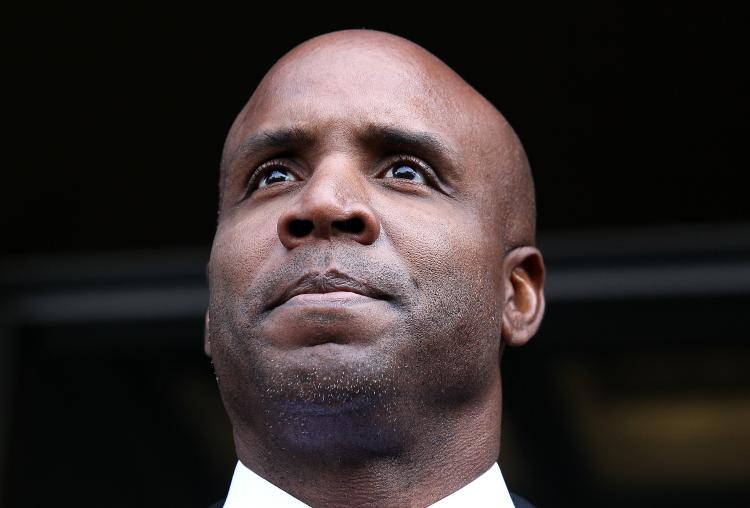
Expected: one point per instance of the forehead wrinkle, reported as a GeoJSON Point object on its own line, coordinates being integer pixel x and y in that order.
{"type": "Point", "coordinates": [354, 61]}
{"type": "Point", "coordinates": [365, 134]}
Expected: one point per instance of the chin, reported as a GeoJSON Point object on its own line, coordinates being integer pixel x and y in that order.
{"type": "Point", "coordinates": [330, 401]}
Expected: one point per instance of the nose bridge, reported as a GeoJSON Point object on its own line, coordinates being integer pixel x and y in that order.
{"type": "Point", "coordinates": [336, 183]}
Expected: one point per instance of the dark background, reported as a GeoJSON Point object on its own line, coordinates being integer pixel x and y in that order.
{"type": "Point", "coordinates": [635, 392]}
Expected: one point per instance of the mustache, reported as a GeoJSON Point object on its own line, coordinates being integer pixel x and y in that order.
{"type": "Point", "coordinates": [337, 265]}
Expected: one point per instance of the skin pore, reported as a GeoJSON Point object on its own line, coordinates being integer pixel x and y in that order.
{"type": "Point", "coordinates": [373, 256]}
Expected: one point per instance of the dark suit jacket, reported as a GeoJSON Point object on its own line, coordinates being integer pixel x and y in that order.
{"type": "Point", "coordinates": [518, 502]}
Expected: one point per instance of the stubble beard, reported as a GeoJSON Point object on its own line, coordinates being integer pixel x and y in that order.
{"type": "Point", "coordinates": [339, 410]}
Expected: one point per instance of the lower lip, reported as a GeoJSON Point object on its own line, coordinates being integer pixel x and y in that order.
{"type": "Point", "coordinates": [334, 298]}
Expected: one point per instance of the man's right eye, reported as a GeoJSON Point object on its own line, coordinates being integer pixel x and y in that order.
{"type": "Point", "coordinates": [275, 175]}
{"type": "Point", "coordinates": [268, 174]}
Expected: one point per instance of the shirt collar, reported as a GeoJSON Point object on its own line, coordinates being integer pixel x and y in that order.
{"type": "Point", "coordinates": [248, 489]}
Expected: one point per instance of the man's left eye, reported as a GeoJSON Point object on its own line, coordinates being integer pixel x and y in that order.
{"type": "Point", "coordinates": [405, 172]}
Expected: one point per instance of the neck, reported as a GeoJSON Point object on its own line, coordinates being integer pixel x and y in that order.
{"type": "Point", "coordinates": [437, 452]}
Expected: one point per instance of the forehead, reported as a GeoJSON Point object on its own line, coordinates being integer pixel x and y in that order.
{"type": "Point", "coordinates": [339, 89]}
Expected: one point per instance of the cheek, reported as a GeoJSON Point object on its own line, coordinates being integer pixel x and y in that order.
{"type": "Point", "coordinates": [447, 250]}
{"type": "Point", "coordinates": [239, 251]}
{"type": "Point", "coordinates": [454, 261]}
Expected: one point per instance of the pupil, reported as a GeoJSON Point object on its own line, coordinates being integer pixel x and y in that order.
{"type": "Point", "coordinates": [404, 172]}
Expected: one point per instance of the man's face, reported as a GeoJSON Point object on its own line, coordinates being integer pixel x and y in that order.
{"type": "Point", "coordinates": [357, 262]}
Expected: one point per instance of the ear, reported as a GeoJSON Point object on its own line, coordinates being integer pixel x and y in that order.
{"type": "Point", "coordinates": [207, 336]}
{"type": "Point", "coordinates": [523, 272]}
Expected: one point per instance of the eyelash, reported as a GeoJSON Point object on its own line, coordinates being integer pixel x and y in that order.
{"type": "Point", "coordinates": [261, 171]}
{"type": "Point", "coordinates": [258, 173]}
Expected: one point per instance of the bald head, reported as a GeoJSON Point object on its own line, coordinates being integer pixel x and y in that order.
{"type": "Point", "coordinates": [385, 70]}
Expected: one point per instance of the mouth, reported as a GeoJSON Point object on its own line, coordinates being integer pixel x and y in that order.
{"type": "Point", "coordinates": [330, 286]}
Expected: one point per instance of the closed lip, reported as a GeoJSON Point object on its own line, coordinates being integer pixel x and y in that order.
{"type": "Point", "coordinates": [327, 282]}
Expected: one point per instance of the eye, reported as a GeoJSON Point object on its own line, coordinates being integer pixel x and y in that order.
{"type": "Point", "coordinates": [269, 174]}
{"type": "Point", "coordinates": [275, 175]}
{"type": "Point", "coordinates": [405, 171]}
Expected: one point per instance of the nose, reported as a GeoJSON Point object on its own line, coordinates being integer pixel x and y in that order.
{"type": "Point", "coordinates": [332, 204]}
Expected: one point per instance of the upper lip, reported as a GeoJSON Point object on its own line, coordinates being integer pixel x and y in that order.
{"type": "Point", "coordinates": [327, 282]}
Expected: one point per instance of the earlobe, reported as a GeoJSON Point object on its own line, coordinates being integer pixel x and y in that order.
{"type": "Point", "coordinates": [523, 272]}
{"type": "Point", "coordinates": [207, 336]}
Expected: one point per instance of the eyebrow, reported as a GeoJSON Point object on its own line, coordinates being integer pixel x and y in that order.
{"type": "Point", "coordinates": [395, 137]}
{"type": "Point", "coordinates": [261, 142]}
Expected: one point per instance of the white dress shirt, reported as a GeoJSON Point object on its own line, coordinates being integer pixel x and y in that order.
{"type": "Point", "coordinates": [250, 490]}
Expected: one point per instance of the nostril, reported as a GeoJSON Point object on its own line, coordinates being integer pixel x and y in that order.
{"type": "Point", "coordinates": [355, 225]}
{"type": "Point", "coordinates": [300, 228]}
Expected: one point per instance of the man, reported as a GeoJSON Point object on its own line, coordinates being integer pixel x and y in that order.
{"type": "Point", "coordinates": [374, 254]}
